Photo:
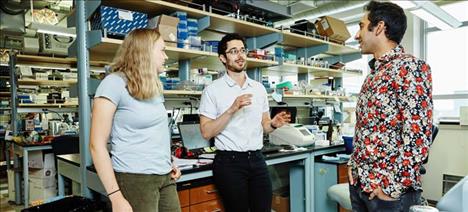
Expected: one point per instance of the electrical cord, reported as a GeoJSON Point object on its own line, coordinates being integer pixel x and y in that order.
{"type": "Point", "coordinates": [45, 110]}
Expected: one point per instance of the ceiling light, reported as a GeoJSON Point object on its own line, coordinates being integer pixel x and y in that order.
{"type": "Point", "coordinates": [428, 17]}
{"type": "Point", "coordinates": [51, 29]}
{"type": "Point", "coordinates": [435, 15]}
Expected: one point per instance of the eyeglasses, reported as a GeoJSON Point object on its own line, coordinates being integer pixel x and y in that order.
{"type": "Point", "coordinates": [236, 52]}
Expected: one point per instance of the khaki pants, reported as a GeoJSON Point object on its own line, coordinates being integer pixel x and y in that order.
{"type": "Point", "coordinates": [149, 192]}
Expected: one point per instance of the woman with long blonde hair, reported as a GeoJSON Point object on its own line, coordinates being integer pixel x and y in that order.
{"type": "Point", "coordinates": [128, 112]}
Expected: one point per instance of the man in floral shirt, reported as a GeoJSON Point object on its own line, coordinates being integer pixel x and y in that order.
{"type": "Point", "coordinates": [393, 116]}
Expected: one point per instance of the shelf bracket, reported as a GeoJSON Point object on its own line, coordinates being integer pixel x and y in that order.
{"type": "Point", "coordinates": [203, 23]}
{"type": "Point", "coordinates": [92, 87]}
{"type": "Point", "coordinates": [343, 58]}
{"type": "Point", "coordinates": [264, 41]}
{"type": "Point", "coordinates": [310, 51]}
{"type": "Point", "coordinates": [94, 38]}
{"type": "Point", "coordinates": [90, 8]}
{"type": "Point", "coordinates": [72, 49]}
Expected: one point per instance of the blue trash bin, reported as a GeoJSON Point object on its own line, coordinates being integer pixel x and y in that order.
{"type": "Point", "coordinates": [348, 141]}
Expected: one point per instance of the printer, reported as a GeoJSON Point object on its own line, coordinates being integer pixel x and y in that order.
{"type": "Point", "coordinates": [292, 134]}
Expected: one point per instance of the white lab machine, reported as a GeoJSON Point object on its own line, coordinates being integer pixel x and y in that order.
{"type": "Point", "coordinates": [292, 134]}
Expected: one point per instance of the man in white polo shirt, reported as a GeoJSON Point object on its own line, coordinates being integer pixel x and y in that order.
{"type": "Point", "coordinates": [234, 110]}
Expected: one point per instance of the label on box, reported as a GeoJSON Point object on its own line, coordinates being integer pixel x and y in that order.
{"type": "Point", "coordinates": [172, 37]}
{"type": "Point", "coordinates": [125, 15]}
{"type": "Point", "coordinates": [325, 24]}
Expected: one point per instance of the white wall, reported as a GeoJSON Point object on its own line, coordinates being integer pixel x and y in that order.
{"type": "Point", "coordinates": [448, 155]}
{"type": "Point", "coordinates": [411, 40]}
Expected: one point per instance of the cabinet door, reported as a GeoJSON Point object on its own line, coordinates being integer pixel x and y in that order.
{"type": "Point", "coordinates": [202, 194]}
{"type": "Point", "coordinates": [342, 173]}
{"type": "Point", "coordinates": [186, 209]}
{"type": "Point", "coordinates": [325, 175]}
{"type": "Point", "coordinates": [184, 197]}
{"type": "Point", "coordinates": [210, 206]}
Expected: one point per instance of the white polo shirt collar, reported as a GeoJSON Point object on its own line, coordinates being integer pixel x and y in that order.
{"type": "Point", "coordinates": [231, 82]}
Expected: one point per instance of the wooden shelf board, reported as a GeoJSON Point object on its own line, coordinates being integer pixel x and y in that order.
{"type": "Point", "coordinates": [314, 71]}
{"type": "Point", "coordinates": [176, 54]}
{"type": "Point", "coordinates": [48, 105]}
{"type": "Point", "coordinates": [46, 82]}
{"type": "Point", "coordinates": [39, 60]}
{"type": "Point", "coordinates": [106, 50]}
{"type": "Point", "coordinates": [299, 41]}
{"type": "Point", "coordinates": [340, 98]}
{"type": "Point", "coordinates": [181, 92]}
{"type": "Point", "coordinates": [200, 59]}
{"type": "Point", "coordinates": [44, 59]}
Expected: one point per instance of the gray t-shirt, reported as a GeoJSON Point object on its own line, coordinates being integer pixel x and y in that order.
{"type": "Point", "coordinates": [140, 137]}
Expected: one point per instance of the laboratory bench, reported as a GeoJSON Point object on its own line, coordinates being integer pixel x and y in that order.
{"type": "Point", "coordinates": [23, 150]}
{"type": "Point", "coordinates": [191, 186]}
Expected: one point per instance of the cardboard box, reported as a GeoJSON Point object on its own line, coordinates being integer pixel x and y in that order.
{"type": "Point", "coordinates": [43, 173]}
{"type": "Point", "coordinates": [167, 26]}
{"type": "Point", "coordinates": [333, 28]}
{"type": "Point", "coordinates": [41, 189]}
{"type": "Point", "coordinates": [39, 161]}
{"type": "Point", "coordinates": [280, 203]}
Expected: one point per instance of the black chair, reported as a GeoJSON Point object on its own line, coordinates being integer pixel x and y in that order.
{"type": "Point", "coordinates": [435, 131]}
{"type": "Point", "coordinates": [66, 144]}
{"type": "Point", "coordinates": [62, 145]}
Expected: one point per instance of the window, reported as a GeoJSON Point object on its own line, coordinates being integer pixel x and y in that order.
{"type": "Point", "coordinates": [447, 53]}
{"type": "Point", "coordinates": [449, 65]}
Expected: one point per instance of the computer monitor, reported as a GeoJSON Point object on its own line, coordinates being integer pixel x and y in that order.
{"type": "Point", "coordinates": [191, 136]}
{"type": "Point", "coordinates": [291, 110]}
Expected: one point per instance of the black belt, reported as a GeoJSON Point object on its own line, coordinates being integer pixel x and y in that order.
{"type": "Point", "coordinates": [239, 154]}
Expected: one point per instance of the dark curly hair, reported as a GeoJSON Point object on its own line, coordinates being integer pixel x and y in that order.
{"type": "Point", "coordinates": [391, 14]}
{"type": "Point", "coordinates": [222, 46]}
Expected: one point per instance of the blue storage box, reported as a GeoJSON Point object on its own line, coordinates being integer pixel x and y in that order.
{"type": "Point", "coordinates": [191, 22]}
{"type": "Point", "coordinates": [181, 15]}
{"type": "Point", "coordinates": [182, 26]}
{"type": "Point", "coordinates": [212, 44]}
{"type": "Point", "coordinates": [117, 22]}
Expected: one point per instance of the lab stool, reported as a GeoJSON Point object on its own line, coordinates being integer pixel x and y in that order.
{"type": "Point", "coordinates": [340, 194]}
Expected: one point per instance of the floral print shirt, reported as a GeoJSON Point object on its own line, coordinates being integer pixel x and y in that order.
{"type": "Point", "coordinates": [393, 124]}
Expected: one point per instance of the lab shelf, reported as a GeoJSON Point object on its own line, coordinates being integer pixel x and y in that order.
{"type": "Point", "coordinates": [59, 62]}
{"type": "Point", "coordinates": [314, 71]}
{"type": "Point", "coordinates": [224, 24]}
{"type": "Point", "coordinates": [108, 47]}
{"type": "Point", "coordinates": [61, 83]}
{"type": "Point", "coordinates": [48, 105]}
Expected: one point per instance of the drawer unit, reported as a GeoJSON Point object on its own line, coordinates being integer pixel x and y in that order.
{"type": "Point", "coordinates": [196, 197]}
{"type": "Point", "coordinates": [203, 193]}
{"type": "Point", "coordinates": [209, 206]}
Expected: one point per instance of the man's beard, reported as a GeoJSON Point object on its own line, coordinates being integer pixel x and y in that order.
{"type": "Point", "coordinates": [237, 70]}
